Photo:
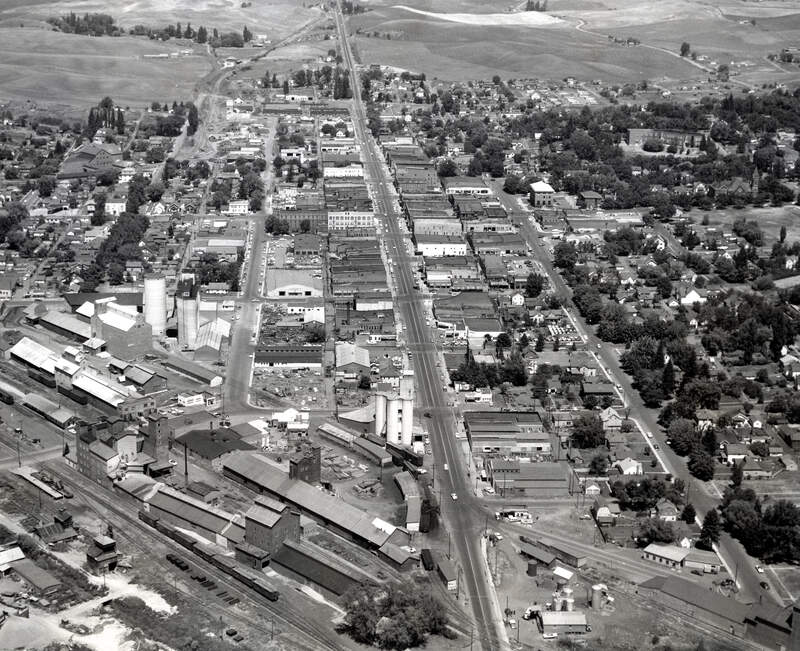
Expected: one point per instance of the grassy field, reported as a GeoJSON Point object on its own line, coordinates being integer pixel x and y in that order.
{"type": "Point", "coordinates": [276, 18]}
{"type": "Point", "coordinates": [53, 68]}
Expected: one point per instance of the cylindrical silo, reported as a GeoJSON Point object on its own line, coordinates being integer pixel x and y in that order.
{"type": "Point", "coordinates": [597, 597]}
{"type": "Point", "coordinates": [532, 568]}
{"type": "Point", "coordinates": [155, 303]}
{"type": "Point", "coordinates": [570, 604]}
{"type": "Point", "coordinates": [407, 420]}
{"type": "Point", "coordinates": [393, 412]}
{"type": "Point", "coordinates": [380, 414]}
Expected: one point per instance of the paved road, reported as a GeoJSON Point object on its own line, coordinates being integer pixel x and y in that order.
{"type": "Point", "coordinates": [741, 564]}
{"type": "Point", "coordinates": [464, 516]}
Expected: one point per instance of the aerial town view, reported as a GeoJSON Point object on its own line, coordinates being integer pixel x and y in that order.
{"type": "Point", "coordinates": [349, 325]}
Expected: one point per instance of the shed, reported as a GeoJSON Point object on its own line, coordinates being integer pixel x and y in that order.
{"type": "Point", "coordinates": [568, 621]}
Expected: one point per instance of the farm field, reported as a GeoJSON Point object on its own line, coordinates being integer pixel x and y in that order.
{"type": "Point", "coordinates": [458, 51]}
{"type": "Point", "coordinates": [275, 18]}
{"type": "Point", "coordinates": [54, 68]}
{"type": "Point", "coordinates": [571, 39]}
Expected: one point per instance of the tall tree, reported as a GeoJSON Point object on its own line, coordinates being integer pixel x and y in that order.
{"type": "Point", "coordinates": [710, 531]}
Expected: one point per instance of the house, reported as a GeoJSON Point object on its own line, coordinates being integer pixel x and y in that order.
{"type": "Point", "coordinates": [611, 420]}
{"type": "Point", "coordinates": [628, 466]}
{"type": "Point", "coordinates": [692, 297]}
{"type": "Point", "coordinates": [590, 200]}
{"type": "Point", "coordinates": [752, 468]}
{"type": "Point", "coordinates": [734, 453]}
{"type": "Point", "coordinates": [706, 418]}
{"type": "Point", "coordinates": [605, 511]}
{"type": "Point", "coordinates": [665, 510]}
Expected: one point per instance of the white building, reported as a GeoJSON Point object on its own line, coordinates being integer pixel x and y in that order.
{"type": "Point", "coordinates": [439, 246]}
{"type": "Point", "coordinates": [339, 220]}
{"type": "Point", "coordinates": [394, 411]}
{"type": "Point", "coordinates": [238, 207]}
{"type": "Point", "coordinates": [345, 172]}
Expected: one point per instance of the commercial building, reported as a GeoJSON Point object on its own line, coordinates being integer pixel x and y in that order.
{"type": "Point", "coordinates": [542, 195]}
{"type": "Point", "coordinates": [562, 622]}
{"type": "Point", "coordinates": [507, 434]}
{"type": "Point", "coordinates": [193, 371]}
{"type": "Point", "coordinates": [510, 478]}
{"type": "Point", "coordinates": [290, 283]}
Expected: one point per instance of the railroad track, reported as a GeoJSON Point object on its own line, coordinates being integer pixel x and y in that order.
{"type": "Point", "coordinates": [281, 611]}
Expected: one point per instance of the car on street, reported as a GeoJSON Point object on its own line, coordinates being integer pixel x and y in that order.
{"type": "Point", "coordinates": [759, 569]}
{"type": "Point", "coordinates": [427, 414]}
{"type": "Point", "coordinates": [549, 636]}
{"type": "Point", "coordinates": [445, 467]}
{"type": "Point", "coordinates": [454, 496]}
{"type": "Point", "coordinates": [764, 585]}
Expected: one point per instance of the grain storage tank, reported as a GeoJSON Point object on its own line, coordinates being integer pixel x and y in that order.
{"type": "Point", "coordinates": [532, 565]}
{"type": "Point", "coordinates": [570, 604]}
{"type": "Point", "coordinates": [597, 596]}
{"type": "Point", "coordinates": [155, 303]}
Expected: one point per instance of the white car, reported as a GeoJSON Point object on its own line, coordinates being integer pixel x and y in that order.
{"type": "Point", "coordinates": [759, 569]}
{"type": "Point", "coordinates": [454, 496]}
{"type": "Point", "coordinates": [549, 636]}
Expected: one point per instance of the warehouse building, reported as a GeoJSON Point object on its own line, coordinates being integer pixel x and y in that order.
{"type": "Point", "coordinates": [256, 473]}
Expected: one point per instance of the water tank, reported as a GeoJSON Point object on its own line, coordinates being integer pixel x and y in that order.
{"type": "Point", "coordinates": [532, 565]}
{"type": "Point", "coordinates": [570, 604]}
{"type": "Point", "coordinates": [597, 597]}
{"type": "Point", "coordinates": [155, 303]}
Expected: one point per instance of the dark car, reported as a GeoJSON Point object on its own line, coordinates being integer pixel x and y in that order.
{"type": "Point", "coordinates": [427, 414]}
{"type": "Point", "coordinates": [764, 585]}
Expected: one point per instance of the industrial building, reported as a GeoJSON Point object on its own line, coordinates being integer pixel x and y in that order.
{"type": "Point", "coordinates": [126, 333]}
{"type": "Point", "coordinates": [155, 303]}
{"type": "Point", "coordinates": [258, 474]}
{"type": "Point", "coordinates": [394, 411]}
{"type": "Point", "coordinates": [507, 434]}
{"type": "Point", "coordinates": [187, 308]}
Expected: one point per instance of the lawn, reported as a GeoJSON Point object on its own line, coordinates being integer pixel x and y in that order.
{"type": "Point", "coordinates": [54, 68]}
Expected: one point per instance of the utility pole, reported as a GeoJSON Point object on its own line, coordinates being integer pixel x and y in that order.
{"type": "Point", "coordinates": [19, 456]}
{"type": "Point", "coordinates": [448, 545]}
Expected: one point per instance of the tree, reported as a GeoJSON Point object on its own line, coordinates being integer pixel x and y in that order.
{"type": "Point", "coordinates": [398, 617]}
{"type": "Point", "coordinates": [598, 466]}
{"type": "Point", "coordinates": [364, 382]}
{"type": "Point", "coordinates": [565, 255]}
{"type": "Point", "coordinates": [688, 515]}
{"type": "Point", "coordinates": [682, 436]}
{"type": "Point", "coordinates": [701, 465]}
{"type": "Point", "coordinates": [192, 119]}
{"type": "Point", "coordinates": [654, 530]}
{"type": "Point", "coordinates": [783, 234]}
{"type": "Point", "coordinates": [588, 431]}
{"type": "Point", "coordinates": [685, 49]}
{"type": "Point", "coordinates": [668, 379]}
{"type": "Point", "coordinates": [534, 285]}
{"type": "Point", "coordinates": [709, 533]}
{"type": "Point", "coordinates": [447, 168]}
{"type": "Point", "coordinates": [504, 340]}
{"type": "Point", "coordinates": [539, 346]}
{"type": "Point", "coordinates": [737, 474]}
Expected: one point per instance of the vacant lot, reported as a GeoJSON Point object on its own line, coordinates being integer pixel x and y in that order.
{"type": "Point", "coordinates": [55, 68]}
{"type": "Point", "coordinates": [769, 220]}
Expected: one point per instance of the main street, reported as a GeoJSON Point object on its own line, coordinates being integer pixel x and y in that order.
{"type": "Point", "coordinates": [740, 563]}
{"type": "Point", "coordinates": [465, 516]}
{"type": "Point", "coordinates": [244, 332]}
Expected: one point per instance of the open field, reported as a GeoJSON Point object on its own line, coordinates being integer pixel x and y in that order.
{"type": "Point", "coordinates": [769, 220]}
{"type": "Point", "coordinates": [456, 51]}
{"type": "Point", "coordinates": [55, 68]}
{"type": "Point", "coordinates": [571, 39]}
{"type": "Point", "coordinates": [276, 18]}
